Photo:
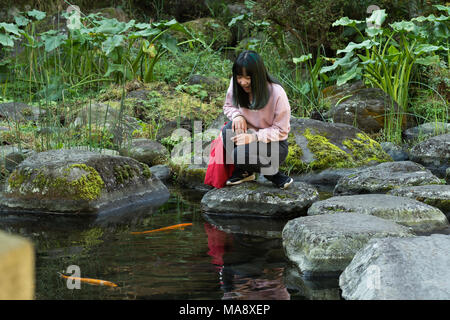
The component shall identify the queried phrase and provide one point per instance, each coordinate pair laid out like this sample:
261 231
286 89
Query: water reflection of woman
243 270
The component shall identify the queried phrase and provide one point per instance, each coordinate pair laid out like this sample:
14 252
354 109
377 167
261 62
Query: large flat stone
435 195
414 268
327 243
384 177
257 199
405 211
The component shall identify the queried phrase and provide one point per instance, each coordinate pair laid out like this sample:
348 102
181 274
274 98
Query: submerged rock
399 269
328 243
434 154
317 145
75 181
257 199
384 177
435 195
404 211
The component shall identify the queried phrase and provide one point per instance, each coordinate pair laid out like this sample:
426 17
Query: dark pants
256 156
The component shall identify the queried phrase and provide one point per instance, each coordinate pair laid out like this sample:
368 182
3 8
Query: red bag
218 171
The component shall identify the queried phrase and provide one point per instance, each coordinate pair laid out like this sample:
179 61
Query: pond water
214 258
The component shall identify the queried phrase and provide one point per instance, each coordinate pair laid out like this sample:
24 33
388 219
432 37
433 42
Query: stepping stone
414 268
435 195
405 211
384 177
255 199
327 243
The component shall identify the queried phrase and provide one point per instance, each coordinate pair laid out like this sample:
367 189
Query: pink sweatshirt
271 123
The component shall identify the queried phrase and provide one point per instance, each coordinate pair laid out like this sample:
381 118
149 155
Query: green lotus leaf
346 22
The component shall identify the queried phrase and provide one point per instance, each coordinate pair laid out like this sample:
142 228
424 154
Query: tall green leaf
6 40
38 15
111 43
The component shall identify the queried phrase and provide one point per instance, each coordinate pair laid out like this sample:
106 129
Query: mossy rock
316 146
147 151
160 103
189 175
76 181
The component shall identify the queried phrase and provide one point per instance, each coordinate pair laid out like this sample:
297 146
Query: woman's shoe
239 177
280 180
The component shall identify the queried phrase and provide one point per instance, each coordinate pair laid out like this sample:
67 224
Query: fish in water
177 226
90 281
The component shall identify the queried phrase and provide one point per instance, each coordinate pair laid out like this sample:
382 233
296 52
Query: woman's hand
239 125
244 138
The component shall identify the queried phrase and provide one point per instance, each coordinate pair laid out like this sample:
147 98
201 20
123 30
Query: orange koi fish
177 226
90 281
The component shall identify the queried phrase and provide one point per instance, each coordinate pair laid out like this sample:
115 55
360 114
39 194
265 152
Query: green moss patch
184 173
363 150
327 154
37 182
123 173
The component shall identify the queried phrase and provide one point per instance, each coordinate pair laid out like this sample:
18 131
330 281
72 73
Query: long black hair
250 63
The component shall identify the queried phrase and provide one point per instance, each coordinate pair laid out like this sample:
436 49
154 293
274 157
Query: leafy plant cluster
94 49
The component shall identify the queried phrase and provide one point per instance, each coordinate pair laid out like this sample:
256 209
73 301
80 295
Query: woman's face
245 81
